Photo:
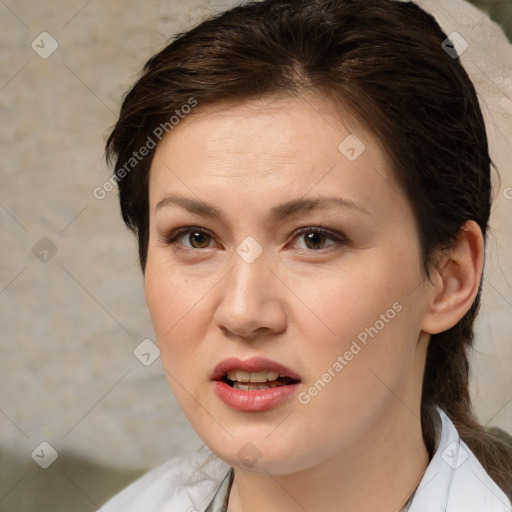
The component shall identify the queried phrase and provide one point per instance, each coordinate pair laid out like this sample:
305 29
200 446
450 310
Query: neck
377 473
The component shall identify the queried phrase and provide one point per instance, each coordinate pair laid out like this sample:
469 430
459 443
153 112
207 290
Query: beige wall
70 324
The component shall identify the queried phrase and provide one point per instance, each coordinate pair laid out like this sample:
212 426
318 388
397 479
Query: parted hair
384 63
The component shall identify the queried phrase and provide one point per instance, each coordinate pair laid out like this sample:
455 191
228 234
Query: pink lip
252 401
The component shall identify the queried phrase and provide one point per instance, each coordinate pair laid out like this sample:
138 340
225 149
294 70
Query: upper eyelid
176 233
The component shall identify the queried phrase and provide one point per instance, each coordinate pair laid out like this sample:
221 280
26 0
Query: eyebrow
277 213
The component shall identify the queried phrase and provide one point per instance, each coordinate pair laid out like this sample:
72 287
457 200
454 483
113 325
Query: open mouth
254 385
256 381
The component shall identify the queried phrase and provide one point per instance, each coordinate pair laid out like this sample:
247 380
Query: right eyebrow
192 205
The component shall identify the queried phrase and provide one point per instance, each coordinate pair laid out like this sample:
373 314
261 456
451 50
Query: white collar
454 481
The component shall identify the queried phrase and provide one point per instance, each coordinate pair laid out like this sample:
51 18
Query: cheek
367 316
173 303
337 305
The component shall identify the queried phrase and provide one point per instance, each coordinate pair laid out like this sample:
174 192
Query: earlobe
456 280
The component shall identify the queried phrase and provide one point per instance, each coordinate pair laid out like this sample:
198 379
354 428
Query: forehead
271 148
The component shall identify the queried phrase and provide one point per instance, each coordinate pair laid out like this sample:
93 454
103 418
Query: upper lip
253 364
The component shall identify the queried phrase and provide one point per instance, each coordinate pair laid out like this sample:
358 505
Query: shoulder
186 482
455 481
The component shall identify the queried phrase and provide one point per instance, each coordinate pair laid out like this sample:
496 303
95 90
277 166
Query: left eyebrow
319 203
277 213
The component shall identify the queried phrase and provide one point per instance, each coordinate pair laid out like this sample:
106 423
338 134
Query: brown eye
313 240
198 239
316 238
190 238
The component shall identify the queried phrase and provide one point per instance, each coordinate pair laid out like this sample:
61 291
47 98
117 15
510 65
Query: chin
260 455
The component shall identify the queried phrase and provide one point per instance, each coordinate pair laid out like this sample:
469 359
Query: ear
456 280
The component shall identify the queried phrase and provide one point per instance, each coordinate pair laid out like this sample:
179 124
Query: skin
357 444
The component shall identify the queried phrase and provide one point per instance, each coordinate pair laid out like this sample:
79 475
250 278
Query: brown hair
383 61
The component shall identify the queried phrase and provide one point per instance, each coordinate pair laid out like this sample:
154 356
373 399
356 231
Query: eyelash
340 239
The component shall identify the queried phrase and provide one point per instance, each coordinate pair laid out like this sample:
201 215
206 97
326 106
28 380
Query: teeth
263 376
242 376
255 387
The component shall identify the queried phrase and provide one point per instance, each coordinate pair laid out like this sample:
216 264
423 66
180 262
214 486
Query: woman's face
296 268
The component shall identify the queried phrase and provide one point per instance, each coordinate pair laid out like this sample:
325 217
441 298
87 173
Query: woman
309 182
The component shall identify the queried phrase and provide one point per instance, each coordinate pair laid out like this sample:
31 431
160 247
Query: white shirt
454 481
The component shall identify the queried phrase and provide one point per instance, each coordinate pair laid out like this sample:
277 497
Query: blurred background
81 415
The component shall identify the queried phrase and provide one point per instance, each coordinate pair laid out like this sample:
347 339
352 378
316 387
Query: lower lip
249 401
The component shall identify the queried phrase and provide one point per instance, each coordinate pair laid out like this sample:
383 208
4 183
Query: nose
251 300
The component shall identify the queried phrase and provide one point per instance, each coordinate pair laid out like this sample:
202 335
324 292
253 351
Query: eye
315 238
197 238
